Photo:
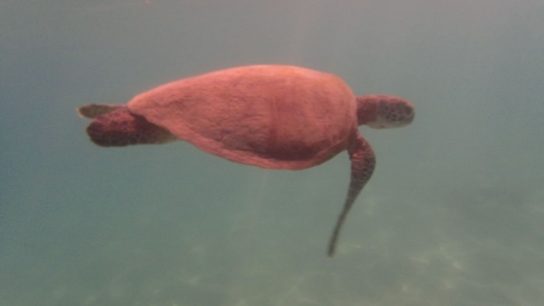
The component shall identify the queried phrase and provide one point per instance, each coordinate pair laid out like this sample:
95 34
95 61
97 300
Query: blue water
454 214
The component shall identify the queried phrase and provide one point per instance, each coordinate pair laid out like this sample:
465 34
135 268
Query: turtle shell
271 116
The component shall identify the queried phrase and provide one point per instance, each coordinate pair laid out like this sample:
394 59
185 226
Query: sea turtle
270 116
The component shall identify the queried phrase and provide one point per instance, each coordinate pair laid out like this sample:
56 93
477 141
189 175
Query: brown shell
271 116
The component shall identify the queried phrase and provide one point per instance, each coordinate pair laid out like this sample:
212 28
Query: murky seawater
453 215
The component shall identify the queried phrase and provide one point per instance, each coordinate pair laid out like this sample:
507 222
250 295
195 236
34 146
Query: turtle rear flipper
92 111
119 127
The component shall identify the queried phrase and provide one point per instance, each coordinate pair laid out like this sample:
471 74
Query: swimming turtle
270 116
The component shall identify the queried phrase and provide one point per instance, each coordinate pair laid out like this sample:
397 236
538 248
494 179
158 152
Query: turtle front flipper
362 165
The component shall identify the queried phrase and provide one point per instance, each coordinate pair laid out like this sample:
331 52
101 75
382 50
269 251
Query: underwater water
454 214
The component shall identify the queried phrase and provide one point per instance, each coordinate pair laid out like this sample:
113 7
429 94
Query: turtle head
384 111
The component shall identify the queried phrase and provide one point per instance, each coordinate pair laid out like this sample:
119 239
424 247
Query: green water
454 214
